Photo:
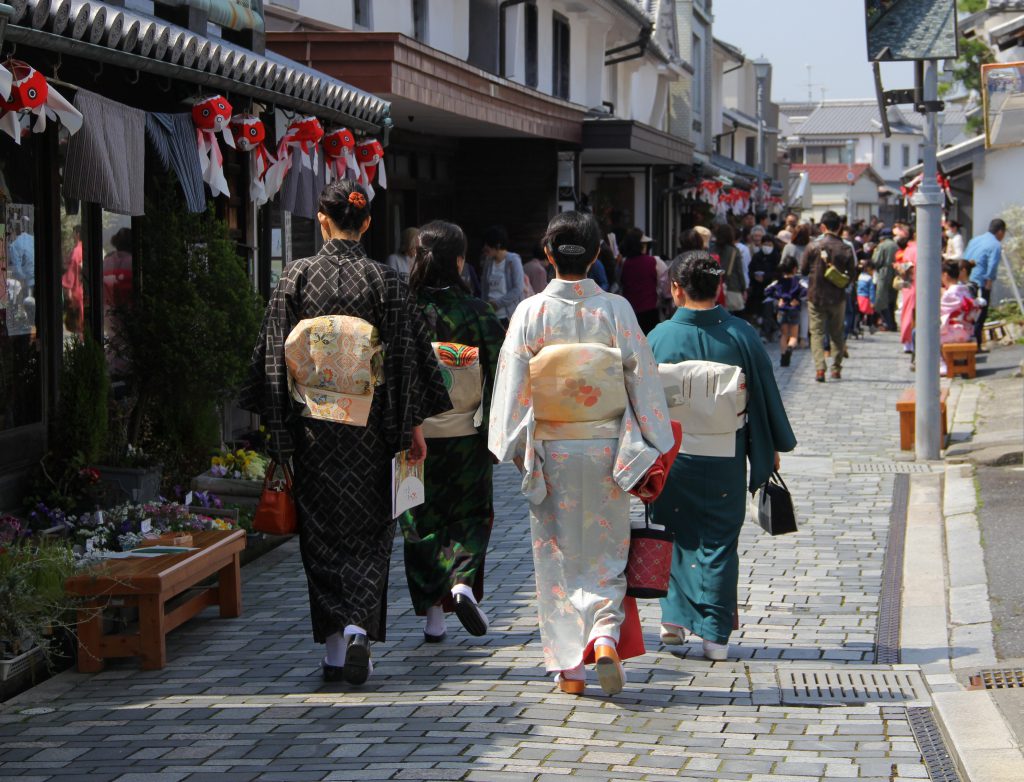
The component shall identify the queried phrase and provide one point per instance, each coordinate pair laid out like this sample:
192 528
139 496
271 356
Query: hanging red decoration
370 155
212 116
29 95
250 135
340 151
298 145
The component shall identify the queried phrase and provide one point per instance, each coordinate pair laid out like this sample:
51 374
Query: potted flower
236 476
32 600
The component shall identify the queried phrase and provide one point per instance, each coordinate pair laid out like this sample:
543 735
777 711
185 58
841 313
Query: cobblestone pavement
915 29
242 699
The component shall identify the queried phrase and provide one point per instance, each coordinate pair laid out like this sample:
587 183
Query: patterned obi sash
463 377
710 401
579 392
334 364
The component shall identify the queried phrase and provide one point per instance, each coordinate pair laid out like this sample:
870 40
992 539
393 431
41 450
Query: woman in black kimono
342 471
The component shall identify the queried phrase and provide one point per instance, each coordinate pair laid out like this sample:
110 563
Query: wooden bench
959 358
151 583
993 330
906 407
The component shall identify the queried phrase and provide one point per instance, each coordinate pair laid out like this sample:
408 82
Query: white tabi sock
354 630
578 674
336 646
435 621
606 640
463 589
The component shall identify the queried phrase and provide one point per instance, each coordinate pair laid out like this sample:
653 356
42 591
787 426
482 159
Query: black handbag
775 511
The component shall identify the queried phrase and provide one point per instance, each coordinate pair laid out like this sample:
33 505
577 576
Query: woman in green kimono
446 538
704 501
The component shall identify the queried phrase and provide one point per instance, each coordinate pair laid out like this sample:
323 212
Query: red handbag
650 549
276 514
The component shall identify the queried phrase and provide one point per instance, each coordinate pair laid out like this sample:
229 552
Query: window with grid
906 155
560 57
886 155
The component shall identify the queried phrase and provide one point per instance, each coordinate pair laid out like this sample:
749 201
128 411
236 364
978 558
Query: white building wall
448 27
393 16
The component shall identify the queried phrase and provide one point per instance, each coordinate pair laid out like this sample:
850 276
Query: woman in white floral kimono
579 408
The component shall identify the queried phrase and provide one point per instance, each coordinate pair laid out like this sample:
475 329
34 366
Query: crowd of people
541 364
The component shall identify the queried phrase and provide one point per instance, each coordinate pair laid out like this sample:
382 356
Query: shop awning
139 42
611 141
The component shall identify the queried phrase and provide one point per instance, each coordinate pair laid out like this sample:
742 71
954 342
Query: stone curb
948 621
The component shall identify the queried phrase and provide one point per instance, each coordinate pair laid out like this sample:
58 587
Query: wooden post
152 632
230 588
90 635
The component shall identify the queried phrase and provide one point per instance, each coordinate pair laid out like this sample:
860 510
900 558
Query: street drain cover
998 679
878 468
810 687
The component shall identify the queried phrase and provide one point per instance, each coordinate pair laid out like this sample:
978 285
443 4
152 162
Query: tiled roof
134 40
834 174
846 117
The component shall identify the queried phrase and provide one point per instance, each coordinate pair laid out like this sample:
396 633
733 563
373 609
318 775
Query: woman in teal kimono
704 501
446 537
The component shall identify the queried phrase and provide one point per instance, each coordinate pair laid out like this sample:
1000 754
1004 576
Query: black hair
698 274
437 258
336 202
952 268
831 221
631 245
497 237
954 224
724 236
691 240
122 240
789 265
573 240
996 226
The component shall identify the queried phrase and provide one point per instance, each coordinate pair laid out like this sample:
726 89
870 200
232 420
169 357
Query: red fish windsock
370 155
299 145
212 116
29 96
250 135
340 151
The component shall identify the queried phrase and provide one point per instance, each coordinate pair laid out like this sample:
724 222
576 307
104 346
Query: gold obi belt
463 377
710 401
579 392
334 364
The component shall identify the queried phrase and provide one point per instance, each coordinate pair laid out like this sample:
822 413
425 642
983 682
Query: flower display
241 464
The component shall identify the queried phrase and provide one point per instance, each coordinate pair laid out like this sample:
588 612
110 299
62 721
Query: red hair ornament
250 135
212 116
340 151
370 155
29 95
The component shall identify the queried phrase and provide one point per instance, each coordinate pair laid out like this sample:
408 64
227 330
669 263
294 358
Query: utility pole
928 200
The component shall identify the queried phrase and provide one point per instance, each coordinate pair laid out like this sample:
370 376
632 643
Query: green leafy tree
967 71
189 335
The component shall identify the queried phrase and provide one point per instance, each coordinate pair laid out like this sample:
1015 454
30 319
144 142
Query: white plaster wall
391 16
448 27
998 188
333 12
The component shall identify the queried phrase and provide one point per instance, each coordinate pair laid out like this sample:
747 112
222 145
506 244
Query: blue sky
826 34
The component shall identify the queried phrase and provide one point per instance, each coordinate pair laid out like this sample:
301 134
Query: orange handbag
276 514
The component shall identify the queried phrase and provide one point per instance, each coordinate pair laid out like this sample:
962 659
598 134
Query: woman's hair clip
571 249
717 272
357 199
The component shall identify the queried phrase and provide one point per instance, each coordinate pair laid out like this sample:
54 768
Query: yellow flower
216 461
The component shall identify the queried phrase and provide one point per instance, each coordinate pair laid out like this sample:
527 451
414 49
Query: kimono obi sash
710 401
334 364
463 377
579 392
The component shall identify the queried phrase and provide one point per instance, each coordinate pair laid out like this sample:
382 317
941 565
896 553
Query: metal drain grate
887 632
811 687
885 468
997 679
940 765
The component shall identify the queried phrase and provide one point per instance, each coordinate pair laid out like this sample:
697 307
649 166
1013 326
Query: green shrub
32 598
80 425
